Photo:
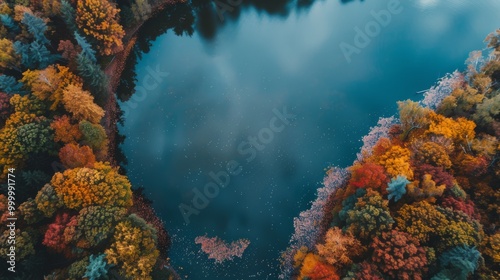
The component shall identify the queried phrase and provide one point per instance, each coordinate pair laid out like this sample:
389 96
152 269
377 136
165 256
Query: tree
459 204
471 166
48 201
8 56
459 229
80 104
99 20
412 116
397 162
397 187
428 188
461 102
51 8
36 27
8 84
133 250
8 22
69 52
64 131
439 175
35 137
143 208
377 132
369 216
458 263
313 268
97 267
68 14
30 212
363 271
20 11
461 130
488 111
141 10
96 223
73 156
87 50
54 236
492 247
419 219
5 108
25 245
34 55
434 154
101 185
50 83
367 175
399 255
307 224
95 137
77 269
339 249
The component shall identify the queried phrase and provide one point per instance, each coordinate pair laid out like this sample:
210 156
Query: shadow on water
205 17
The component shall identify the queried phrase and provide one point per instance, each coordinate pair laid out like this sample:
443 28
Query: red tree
438 174
73 156
399 255
368 175
466 206
54 236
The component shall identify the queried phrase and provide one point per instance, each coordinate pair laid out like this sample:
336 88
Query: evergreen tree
87 50
8 22
37 27
68 15
8 84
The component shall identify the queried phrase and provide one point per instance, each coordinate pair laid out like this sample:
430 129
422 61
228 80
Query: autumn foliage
73 156
99 20
133 250
101 185
421 201
399 255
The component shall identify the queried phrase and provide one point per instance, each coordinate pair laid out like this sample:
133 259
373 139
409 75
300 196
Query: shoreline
114 70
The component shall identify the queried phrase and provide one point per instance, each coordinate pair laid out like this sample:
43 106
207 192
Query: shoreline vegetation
76 213
421 201
77 216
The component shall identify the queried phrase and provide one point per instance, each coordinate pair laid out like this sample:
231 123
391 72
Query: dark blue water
223 84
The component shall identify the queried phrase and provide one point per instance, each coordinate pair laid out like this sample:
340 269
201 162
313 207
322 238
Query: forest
421 199
419 202
77 215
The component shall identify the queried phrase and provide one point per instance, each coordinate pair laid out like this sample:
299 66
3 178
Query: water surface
225 81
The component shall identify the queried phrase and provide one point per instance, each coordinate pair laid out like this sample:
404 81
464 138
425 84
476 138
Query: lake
277 93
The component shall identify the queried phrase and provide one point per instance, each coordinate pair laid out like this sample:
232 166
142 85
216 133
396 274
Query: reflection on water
225 78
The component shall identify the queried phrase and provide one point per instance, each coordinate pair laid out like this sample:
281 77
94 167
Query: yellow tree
133 250
99 20
461 130
8 57
396 161
81 104
101 185
49 83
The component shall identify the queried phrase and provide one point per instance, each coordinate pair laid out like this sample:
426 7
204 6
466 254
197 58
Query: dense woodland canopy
78 217
420 202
